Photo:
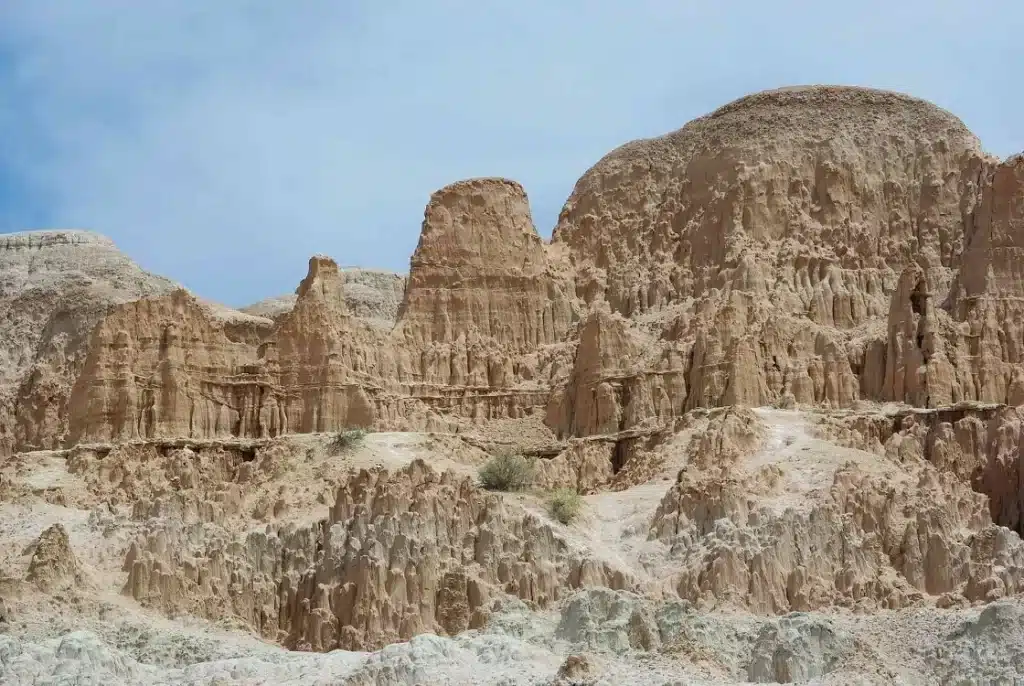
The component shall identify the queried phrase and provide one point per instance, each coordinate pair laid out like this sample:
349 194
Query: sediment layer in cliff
807 246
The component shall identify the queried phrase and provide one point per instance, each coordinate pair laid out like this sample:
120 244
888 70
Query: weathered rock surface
372 294
53 562
320 368
481 270
821 173
164 368
400 554
962 647
318 550
849 255
811 246
54 287
763 245
175 341
805 525
797 649
981 445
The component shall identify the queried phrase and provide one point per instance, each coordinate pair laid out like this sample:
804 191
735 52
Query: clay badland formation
780 351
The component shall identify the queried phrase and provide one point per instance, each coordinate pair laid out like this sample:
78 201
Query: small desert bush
565 504
506 471
344 441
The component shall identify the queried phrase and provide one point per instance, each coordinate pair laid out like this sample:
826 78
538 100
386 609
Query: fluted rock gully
779 351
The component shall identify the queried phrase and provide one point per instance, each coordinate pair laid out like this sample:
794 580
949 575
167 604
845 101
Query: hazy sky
222 143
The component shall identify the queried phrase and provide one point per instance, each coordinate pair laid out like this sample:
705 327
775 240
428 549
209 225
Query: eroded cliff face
163 368
982 445
481 271
820 187
778 352
964 344
769 557
781 534
480 327
808 246
156 357
399 554
813 246
55 286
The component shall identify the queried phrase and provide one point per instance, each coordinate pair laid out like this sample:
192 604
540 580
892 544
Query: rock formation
812 246
53 562
373 294
320 368
480 270
779 352
981 445
816 173
936 534
399 554
177 343
769 237
54 288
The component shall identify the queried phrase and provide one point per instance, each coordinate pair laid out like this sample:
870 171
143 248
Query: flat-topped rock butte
779 351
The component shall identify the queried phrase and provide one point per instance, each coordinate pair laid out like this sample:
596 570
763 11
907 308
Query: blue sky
223 143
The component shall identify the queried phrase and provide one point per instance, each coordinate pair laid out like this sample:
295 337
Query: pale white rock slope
649 618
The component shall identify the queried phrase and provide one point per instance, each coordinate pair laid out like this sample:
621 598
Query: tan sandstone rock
767 239
400 554
54 287
801 526
320 368
480 269
53 562
372 294
807 246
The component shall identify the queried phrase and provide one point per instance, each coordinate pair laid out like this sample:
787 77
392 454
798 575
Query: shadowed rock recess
780 351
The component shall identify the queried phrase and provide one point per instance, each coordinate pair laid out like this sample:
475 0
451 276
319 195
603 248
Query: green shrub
565 504
506 471
344 441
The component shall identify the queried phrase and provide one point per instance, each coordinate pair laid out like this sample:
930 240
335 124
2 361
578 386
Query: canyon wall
848 251
807 246
765 244
55 287
479 308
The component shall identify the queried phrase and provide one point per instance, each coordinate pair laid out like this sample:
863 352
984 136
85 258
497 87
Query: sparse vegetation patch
343 441
506 471
565 504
